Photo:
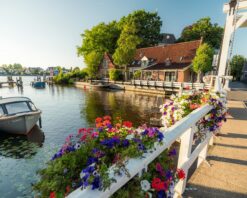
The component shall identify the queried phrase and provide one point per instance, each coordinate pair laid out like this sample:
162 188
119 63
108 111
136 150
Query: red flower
107 117
127 124
67 189
194 106
158 185
187 88
106 122
181 173
52 195
99 119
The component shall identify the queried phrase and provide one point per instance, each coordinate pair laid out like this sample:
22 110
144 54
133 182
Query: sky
44 33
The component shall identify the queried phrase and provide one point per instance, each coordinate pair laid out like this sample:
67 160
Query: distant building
164 62
167 38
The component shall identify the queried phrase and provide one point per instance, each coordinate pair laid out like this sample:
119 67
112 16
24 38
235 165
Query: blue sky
46 32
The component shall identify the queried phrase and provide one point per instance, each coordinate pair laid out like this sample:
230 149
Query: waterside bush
71 77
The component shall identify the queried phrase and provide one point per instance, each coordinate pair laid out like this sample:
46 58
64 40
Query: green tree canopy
236 66
127 44
106 37
148 25
202 62
203 28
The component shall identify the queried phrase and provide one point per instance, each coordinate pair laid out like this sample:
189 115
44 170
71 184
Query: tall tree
236 66
127 44
202 62
211 33
92 61
148 25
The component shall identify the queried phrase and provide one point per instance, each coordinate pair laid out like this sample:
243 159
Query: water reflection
21 146
131 106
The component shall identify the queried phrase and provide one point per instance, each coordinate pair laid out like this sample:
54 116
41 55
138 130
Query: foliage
180 107
69 78
203 28
236 66
127 44
104 37
137 74
115 74
85 158
202 62
16 68
93 151
159 180
93 60
148 25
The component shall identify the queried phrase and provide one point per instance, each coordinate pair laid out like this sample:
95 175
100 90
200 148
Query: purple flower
173 152
96 183
125 143
141 147
109 126
92 160
89 169
168 174
161 194
160 136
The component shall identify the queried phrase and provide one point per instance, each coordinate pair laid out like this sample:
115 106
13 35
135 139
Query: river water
64 111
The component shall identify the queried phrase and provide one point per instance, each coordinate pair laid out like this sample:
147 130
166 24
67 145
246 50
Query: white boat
18 115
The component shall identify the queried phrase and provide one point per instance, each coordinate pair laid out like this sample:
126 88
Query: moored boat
18 115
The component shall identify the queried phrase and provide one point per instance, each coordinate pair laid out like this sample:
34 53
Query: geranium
107 117
127 124
52 195
158 185
181 174
98 120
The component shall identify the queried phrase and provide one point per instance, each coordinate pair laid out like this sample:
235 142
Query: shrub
137 74
115 74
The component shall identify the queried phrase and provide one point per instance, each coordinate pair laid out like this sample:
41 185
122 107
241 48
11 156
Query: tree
203 28
127 44
148 25
202 62
92 61
115 74
236 66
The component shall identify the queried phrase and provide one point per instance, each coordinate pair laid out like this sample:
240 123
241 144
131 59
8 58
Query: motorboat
18 115
38 83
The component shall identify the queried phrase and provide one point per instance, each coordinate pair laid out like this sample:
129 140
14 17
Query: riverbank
144 86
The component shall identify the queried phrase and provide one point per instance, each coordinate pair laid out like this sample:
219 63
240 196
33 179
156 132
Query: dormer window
181 58
168 62
144 61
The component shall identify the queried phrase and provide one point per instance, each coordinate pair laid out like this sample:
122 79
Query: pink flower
95 134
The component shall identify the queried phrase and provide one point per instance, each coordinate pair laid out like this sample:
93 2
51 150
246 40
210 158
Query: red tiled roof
178 52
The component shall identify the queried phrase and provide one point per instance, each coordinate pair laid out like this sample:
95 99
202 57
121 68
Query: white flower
130 136
145 185
77 146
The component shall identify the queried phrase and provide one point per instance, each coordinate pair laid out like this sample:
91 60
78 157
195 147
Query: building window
144 63
170 76
105 64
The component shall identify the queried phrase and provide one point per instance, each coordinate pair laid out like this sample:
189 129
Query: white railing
183 130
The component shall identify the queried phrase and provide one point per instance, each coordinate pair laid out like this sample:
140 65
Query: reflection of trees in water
129 105
21 146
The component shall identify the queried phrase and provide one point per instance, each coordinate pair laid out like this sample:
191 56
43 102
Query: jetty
10 82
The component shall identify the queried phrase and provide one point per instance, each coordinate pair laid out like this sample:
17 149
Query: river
64 110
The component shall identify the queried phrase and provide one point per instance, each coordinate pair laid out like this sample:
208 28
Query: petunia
145 185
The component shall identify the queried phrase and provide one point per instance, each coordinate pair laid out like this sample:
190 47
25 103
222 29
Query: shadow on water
21 146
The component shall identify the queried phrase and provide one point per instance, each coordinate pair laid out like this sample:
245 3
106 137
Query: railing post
202 155
184 155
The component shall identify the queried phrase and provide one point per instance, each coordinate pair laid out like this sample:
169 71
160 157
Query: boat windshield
32 106
1 111
17 107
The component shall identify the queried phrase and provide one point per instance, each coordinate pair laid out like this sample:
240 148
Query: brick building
170 62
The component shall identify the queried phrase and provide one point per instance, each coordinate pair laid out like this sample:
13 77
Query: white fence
183 130
161 84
